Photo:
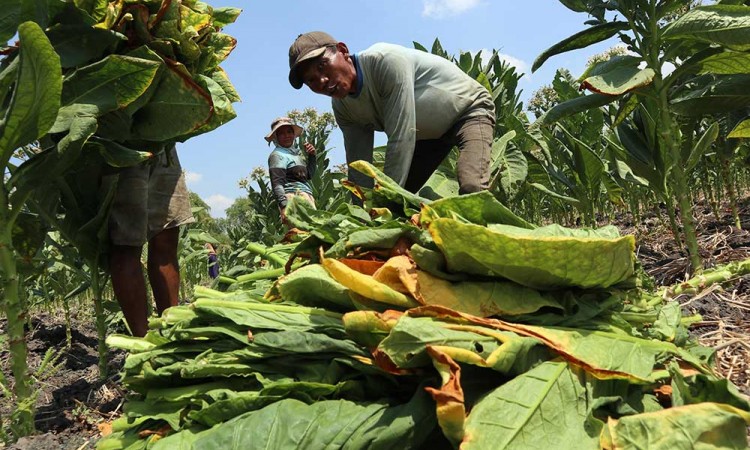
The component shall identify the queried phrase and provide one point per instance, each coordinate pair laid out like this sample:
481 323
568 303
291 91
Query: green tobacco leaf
406 345
723 94
702 388
97 9
117 155
439 185
79 44
215 49
727 25
543 408
481 208
726 63
36 98
546 258
569 200
7 77
224 16
589 167
481 298
112 83
312 286
221 77
573 106
55 161
742 130
223 110
325 424
178 107
576 5
28 234
626 108
433 262
9 19
702 146
509 165
581 39
701 426
389 188
269 316
15 12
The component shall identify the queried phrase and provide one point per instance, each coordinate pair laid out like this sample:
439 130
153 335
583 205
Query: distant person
289 167
213 261
150 204
424 104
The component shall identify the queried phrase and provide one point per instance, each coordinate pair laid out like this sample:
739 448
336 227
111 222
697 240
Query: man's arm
358 143
394 80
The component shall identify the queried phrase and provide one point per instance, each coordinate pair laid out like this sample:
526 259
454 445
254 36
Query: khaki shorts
150 198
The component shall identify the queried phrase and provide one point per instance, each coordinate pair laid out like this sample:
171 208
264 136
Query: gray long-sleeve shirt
410 95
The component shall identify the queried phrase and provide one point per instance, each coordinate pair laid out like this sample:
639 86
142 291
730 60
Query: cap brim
294 78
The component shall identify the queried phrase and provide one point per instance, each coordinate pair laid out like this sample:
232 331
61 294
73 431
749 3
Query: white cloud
440 9
218 204
193 177
520 65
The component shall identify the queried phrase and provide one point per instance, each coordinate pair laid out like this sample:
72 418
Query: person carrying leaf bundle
424 103
150 204
289 167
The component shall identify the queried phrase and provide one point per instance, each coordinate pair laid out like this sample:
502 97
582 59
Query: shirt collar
293 150
360 77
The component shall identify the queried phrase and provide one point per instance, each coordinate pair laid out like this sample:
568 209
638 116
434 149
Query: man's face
285 136
331 73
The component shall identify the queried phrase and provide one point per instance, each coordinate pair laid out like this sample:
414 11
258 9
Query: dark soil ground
74 403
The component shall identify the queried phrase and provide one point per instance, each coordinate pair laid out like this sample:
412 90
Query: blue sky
258 67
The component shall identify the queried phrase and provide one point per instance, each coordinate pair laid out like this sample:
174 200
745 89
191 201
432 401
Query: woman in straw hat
289 167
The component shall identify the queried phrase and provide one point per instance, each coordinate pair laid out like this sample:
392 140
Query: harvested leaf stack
463 327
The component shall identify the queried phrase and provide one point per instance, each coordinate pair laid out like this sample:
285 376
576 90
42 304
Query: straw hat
280 122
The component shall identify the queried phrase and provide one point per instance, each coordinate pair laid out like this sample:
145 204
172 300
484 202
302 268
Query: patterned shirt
290 170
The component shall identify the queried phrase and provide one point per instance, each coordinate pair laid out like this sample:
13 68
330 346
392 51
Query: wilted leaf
312 286
545 258
366 286
705 425
449 398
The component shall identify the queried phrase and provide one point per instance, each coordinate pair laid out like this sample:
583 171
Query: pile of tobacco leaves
457 324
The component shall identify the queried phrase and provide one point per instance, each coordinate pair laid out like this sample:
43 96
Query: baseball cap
307 46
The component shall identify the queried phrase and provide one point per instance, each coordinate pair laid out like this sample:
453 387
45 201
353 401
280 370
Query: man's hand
282 212
309 149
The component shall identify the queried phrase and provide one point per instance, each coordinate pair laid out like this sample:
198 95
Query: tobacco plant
706 44
98 86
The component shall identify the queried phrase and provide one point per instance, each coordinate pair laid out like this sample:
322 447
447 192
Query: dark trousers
473 137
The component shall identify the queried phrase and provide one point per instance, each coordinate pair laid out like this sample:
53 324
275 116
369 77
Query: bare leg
129 286
163 269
